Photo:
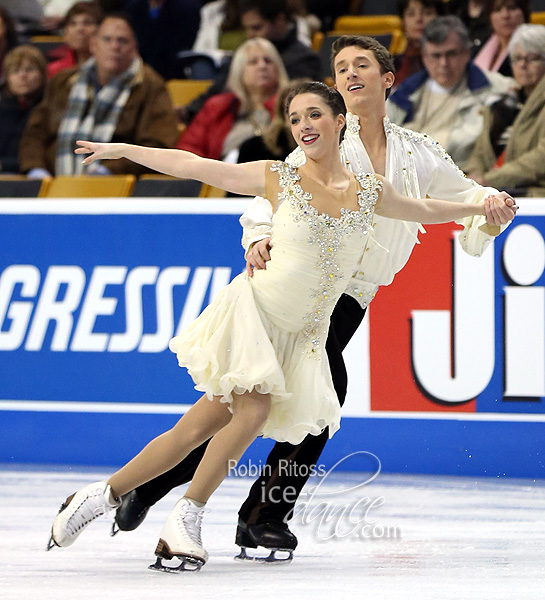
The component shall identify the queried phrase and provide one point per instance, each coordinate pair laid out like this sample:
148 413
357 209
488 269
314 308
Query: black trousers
273 495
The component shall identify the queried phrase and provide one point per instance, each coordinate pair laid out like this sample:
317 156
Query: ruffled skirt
232 347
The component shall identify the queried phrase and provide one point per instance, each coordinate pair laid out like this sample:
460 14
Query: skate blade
52 543
114 530
271 559
186 564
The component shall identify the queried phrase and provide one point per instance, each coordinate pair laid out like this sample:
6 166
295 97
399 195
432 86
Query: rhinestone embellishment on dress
327 233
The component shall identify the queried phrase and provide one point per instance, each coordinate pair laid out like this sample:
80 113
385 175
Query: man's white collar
353 124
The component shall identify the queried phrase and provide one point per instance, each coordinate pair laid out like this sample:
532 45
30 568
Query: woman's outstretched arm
429 210
247 179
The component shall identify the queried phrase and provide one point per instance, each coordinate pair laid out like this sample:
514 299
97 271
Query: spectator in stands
227 120
445 99
8 35
276 141
505 16
415 15
113 96
80 25
221 33
473 14
164 28
510 152
54 12
22 89
39 16
277 24
275 21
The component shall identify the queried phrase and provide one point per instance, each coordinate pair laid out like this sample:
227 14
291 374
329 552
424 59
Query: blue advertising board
91 291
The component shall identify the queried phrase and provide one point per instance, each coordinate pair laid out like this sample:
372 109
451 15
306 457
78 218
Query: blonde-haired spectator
227 120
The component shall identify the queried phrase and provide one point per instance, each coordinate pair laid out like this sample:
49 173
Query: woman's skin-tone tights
232 434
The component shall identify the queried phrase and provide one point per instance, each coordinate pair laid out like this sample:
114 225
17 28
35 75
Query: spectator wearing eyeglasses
510 152
446 98
415 15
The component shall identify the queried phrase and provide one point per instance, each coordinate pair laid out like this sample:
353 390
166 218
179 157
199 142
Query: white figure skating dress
268 332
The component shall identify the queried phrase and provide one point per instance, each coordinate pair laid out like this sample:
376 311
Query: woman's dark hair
122 16
231 20
439 6
84 8
330 96
11 32
494 5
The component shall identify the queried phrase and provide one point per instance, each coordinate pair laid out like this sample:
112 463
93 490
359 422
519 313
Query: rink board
92 290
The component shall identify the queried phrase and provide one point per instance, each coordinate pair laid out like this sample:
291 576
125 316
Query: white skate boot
79 510
181 538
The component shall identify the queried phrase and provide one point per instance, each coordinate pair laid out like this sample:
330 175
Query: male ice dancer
417 166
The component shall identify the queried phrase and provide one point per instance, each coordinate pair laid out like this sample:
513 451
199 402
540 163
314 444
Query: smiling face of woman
313 124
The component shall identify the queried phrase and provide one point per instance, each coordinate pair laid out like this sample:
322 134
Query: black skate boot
271 535
130 514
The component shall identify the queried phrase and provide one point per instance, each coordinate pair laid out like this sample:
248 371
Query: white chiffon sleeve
256 222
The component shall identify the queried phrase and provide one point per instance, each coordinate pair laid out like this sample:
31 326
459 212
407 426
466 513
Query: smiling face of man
359 78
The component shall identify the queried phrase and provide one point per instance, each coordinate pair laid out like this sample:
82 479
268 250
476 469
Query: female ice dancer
257 351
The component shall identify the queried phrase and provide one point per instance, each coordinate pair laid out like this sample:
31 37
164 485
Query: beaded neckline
289 180
327 233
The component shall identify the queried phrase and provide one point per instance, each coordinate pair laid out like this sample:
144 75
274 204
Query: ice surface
449 538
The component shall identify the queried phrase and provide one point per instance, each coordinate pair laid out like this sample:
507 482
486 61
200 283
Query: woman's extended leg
200 422
181 534
204 419
250 411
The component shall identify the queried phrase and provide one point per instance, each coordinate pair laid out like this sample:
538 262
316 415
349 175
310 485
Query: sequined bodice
313 256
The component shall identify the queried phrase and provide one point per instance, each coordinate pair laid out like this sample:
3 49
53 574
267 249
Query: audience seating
90 186
183 91
18 186
367 25
164 186
209 191
537 18
46 43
